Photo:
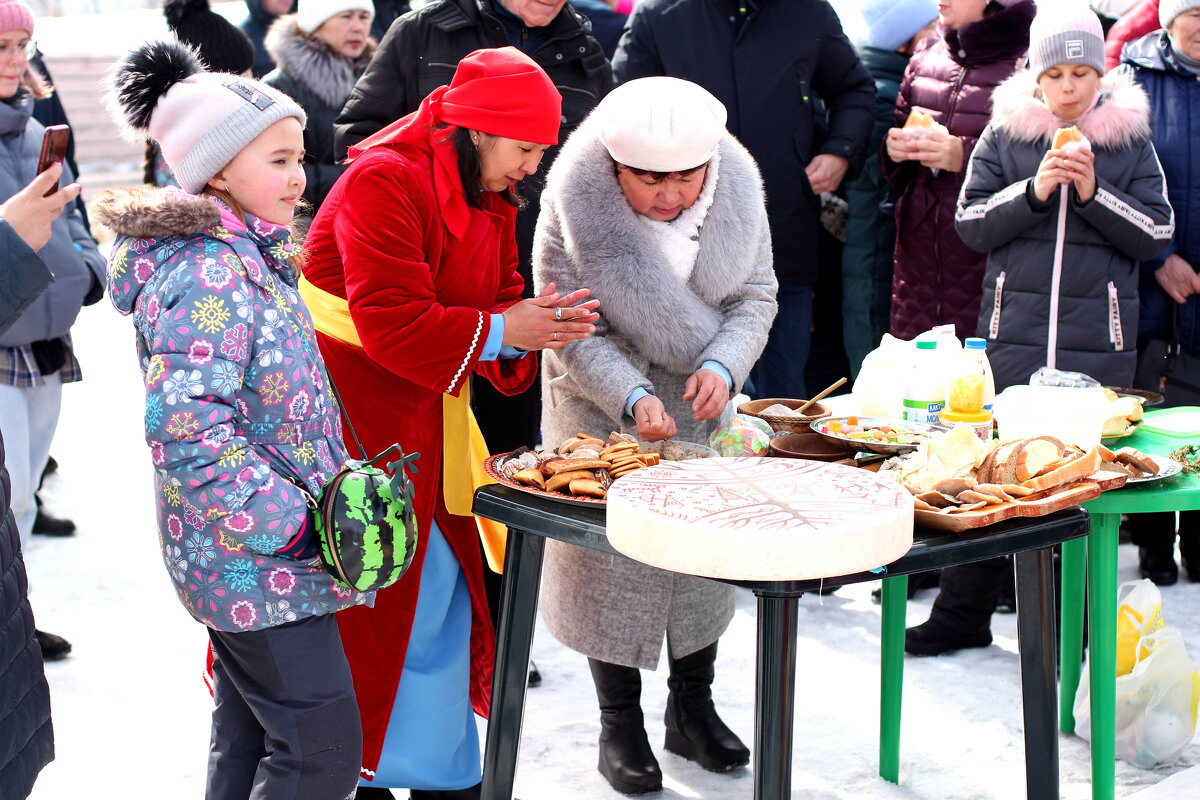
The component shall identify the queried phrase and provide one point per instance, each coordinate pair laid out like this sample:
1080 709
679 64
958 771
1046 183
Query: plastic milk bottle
925 392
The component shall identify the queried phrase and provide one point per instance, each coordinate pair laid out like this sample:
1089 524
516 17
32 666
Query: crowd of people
455 223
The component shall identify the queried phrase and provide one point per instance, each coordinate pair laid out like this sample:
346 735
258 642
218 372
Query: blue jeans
780 370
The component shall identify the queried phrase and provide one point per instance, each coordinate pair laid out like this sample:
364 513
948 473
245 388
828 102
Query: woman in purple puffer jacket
937 279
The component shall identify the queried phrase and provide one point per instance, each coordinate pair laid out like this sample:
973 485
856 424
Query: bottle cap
926 344
971 418
976 343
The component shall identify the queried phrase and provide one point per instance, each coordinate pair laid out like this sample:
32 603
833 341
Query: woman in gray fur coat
660 211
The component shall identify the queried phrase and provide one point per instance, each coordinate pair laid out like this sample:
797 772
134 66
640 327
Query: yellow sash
463 447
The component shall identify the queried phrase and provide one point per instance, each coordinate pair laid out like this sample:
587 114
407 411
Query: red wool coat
422 272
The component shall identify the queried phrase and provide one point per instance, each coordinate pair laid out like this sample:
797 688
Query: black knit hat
222 46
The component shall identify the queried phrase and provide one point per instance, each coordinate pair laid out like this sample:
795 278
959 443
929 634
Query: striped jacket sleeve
1138 221
991 212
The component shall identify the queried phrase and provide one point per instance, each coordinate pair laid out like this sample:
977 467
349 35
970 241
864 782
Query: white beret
661 124
312 14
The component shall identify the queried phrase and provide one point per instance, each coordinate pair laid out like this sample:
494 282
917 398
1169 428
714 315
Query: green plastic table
1096 558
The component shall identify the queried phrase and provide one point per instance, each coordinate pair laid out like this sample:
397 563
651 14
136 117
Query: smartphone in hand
54 149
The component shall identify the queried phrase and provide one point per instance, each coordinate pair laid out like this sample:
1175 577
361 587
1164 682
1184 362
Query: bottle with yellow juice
968 398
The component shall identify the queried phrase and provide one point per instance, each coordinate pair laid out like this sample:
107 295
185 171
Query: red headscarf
499 91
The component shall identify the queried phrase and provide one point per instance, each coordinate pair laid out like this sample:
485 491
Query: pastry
919 119
1064 135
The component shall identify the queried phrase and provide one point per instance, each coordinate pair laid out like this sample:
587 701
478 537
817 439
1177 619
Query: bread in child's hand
1070 139
1064 135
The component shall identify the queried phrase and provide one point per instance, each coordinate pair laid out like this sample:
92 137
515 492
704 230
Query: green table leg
891 675
1102 649
1074 565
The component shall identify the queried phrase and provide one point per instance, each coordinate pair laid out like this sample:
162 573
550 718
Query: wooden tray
1034 505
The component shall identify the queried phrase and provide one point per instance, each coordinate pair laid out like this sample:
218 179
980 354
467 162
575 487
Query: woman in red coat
411 274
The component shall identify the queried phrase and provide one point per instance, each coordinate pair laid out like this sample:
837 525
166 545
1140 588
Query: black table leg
514 640
1035 636
775 696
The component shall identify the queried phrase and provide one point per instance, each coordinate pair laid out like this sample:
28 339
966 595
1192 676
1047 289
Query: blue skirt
431 740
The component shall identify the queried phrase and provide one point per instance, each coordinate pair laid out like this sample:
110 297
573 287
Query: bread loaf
1074 470
1138 460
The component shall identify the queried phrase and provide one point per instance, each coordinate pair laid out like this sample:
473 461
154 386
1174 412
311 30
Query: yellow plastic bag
1139 613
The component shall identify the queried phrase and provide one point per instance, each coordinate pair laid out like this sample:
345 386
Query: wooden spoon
822 395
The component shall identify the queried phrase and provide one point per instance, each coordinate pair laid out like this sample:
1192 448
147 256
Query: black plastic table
531 520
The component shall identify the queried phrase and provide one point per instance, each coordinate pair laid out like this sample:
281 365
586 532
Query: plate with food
883 435
1166 467
1125 414
1149 399
581 468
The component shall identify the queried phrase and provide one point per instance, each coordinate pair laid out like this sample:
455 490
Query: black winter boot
470 793
626 760
694 730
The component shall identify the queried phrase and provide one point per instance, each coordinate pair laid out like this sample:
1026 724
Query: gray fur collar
311 63
150 213
619 259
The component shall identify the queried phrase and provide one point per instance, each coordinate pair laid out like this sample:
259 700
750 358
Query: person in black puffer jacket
319 53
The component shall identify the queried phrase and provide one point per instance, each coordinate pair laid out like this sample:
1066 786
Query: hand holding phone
54 149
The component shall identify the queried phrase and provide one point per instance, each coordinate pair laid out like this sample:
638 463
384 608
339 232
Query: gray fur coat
654 331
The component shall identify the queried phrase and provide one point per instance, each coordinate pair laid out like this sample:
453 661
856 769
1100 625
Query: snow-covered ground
131 712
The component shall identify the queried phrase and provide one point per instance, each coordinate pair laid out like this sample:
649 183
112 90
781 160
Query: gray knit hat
1065 32
1168 10
201 120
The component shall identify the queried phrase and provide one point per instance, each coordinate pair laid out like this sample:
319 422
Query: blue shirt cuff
492 349
719 368
634 396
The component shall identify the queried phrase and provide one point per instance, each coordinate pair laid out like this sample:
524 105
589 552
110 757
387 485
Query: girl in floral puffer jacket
238 417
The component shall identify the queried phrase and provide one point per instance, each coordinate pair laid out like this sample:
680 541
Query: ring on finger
558 313
556 336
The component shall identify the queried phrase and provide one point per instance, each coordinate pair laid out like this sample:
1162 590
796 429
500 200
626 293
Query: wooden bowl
754 408
810 445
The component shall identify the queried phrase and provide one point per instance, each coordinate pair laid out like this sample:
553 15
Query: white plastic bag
1157 700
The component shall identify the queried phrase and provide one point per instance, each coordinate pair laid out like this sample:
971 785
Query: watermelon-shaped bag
365 522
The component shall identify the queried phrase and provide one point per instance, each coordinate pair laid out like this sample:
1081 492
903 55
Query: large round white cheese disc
762 519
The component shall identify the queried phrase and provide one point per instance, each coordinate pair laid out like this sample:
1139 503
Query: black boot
626 760
470 793
694 730
373 793
47 525
54 647
1154 535
1157 563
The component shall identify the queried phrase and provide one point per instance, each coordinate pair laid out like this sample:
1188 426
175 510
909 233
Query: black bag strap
400 484
345 415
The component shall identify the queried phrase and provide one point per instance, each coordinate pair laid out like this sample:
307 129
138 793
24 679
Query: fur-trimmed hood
150 213
155 225
621 260
311 63
1120 117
